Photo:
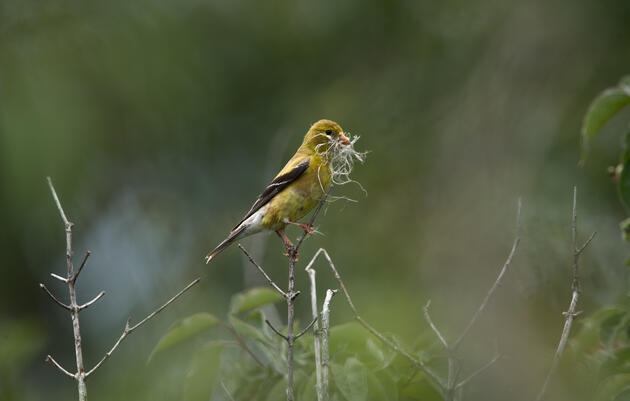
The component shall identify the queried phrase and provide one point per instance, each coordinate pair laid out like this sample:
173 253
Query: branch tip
276 330
50 359
301 333
54 298
96 298
262 271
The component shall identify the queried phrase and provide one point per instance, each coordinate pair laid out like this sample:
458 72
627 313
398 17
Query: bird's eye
328 132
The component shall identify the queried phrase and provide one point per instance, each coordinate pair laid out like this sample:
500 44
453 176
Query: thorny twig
575 294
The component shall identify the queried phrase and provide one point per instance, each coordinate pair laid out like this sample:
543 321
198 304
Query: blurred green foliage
20 341
361 368
160 122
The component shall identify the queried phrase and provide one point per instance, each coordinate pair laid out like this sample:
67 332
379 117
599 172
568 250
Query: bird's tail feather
234 235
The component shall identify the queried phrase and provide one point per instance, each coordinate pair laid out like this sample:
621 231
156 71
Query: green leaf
613 386
624 395
623 176
309 393
249 330
351 379
271 346
202 375
379 389
618 363
381 354
254 298
624 84
279 391
347 340
421 389
602 109
624 226
388 385
608 328
184 329
587 339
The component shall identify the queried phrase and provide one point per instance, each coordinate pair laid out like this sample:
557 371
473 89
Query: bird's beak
344 139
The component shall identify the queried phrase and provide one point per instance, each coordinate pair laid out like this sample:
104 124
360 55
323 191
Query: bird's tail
234 235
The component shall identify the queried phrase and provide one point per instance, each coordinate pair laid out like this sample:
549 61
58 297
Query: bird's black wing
277 185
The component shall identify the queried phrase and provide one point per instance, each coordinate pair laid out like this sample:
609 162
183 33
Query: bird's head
322 135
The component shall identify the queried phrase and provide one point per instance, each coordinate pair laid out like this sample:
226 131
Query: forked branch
74 308
571 314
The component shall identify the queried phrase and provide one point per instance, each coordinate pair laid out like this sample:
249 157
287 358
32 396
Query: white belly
253 224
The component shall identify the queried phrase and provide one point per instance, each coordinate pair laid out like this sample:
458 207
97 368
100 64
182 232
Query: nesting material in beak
342 154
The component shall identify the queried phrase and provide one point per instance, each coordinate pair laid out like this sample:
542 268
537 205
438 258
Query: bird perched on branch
297 188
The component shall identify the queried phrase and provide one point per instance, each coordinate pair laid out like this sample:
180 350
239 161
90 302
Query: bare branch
588 241
433 327
59 277
85 258
301 333
316 341
158 310
227 392
74 309
325 348
66 222
96 298
50 359
50 294
262 271
276 330
571 314
291 294
417 362
129 329
478 371
241 342
312 220
497 282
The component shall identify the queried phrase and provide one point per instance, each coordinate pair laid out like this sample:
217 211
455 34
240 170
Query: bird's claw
306 227
295 257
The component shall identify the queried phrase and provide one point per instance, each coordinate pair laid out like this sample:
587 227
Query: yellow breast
300 197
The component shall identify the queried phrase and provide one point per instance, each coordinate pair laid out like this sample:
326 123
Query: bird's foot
288 255
306 227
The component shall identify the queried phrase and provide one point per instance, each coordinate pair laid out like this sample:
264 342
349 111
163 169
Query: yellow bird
296 190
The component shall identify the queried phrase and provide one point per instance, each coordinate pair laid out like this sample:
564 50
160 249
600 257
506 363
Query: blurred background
161 121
